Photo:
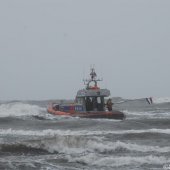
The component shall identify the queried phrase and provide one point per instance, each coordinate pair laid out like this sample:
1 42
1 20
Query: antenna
93 78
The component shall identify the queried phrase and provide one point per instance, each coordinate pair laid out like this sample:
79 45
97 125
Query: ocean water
32 139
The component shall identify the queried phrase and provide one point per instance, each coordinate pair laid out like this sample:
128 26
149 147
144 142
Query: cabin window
94 103
99 100
100 103
80 100
89 103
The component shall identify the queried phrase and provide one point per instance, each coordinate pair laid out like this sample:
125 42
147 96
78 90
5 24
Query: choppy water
30 138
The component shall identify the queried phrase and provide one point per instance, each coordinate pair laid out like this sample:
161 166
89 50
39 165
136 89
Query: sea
32 139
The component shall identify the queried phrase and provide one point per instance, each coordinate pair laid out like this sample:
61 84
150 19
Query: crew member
109 104
88 104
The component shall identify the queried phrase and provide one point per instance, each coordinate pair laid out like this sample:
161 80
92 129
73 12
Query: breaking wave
51 132
86 147
157 114
159 100
19 109
93 159
77 145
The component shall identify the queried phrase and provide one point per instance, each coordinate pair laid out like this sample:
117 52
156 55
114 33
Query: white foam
79 145
84 141
158 100
147 115
93 159
19 109
87 149
27 160
51 132
62 144
118 145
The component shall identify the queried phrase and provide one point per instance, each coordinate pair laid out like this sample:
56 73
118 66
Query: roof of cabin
93 93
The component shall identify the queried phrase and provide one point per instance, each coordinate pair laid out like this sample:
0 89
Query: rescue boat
89 103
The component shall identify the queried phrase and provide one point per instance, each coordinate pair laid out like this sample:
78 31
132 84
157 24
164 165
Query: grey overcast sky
47 47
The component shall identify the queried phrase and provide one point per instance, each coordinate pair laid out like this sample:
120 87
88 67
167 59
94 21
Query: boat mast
93 78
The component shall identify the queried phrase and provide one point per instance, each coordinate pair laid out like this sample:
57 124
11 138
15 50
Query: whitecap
19 109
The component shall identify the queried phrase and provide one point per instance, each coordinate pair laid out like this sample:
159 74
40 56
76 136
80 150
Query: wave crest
19 109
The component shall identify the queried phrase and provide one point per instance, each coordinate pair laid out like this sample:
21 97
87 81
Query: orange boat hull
91 114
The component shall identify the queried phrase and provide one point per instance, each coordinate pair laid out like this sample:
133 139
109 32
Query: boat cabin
92 97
